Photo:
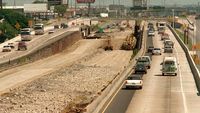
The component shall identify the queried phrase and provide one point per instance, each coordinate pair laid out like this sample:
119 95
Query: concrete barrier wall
193 67
51 47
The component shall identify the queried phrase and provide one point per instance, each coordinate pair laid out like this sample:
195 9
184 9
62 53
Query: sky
123 2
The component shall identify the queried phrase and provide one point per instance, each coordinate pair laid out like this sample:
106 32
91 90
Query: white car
134 81
156 51
151 33
51 31
6 48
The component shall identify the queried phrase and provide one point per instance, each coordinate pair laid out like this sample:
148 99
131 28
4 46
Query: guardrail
193 67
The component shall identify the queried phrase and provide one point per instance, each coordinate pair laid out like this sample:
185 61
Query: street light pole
173 17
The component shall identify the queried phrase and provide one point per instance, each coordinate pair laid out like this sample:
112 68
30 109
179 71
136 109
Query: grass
181 35
135 51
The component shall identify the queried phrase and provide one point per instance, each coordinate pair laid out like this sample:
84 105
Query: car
169 43
151 33
144 60
150 25
11 45
6 48
63 25
168 49
22 45
56 26
161 30
165 36
156 51
51 31
169 66
150 49
134 81
140 67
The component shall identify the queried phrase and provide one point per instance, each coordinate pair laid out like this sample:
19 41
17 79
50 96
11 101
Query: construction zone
70 80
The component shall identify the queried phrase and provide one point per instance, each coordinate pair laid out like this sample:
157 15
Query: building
116 11
139 3
55 2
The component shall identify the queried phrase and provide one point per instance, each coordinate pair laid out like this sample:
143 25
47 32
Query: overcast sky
123 2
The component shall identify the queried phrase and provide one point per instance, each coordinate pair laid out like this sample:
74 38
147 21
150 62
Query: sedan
134 81
51 31
6 48
150 49
156 51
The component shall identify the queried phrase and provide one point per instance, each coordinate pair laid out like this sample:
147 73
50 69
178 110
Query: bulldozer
108 46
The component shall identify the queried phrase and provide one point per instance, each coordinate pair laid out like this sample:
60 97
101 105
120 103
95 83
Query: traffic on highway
85 56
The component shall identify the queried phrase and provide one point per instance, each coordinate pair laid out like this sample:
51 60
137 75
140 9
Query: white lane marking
181 83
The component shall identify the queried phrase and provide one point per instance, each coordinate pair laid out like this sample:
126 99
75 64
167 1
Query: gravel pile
53 92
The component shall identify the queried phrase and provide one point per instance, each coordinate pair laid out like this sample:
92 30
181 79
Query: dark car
140 68
150 49
56 26
63 25
22 45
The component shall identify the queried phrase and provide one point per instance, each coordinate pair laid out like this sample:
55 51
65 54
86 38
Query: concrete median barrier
54 45
193 67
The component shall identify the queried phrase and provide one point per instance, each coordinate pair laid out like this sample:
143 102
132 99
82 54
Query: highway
37 40
160 94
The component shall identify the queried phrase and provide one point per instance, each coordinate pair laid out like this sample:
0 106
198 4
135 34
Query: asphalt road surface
160 94
123 98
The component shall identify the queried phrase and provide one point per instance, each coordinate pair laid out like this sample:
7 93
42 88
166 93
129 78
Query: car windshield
134 78
140 63
25 33
143 59
6 46
169 63
156 48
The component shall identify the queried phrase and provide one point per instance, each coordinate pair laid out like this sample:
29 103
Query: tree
1 4
38 1
60 9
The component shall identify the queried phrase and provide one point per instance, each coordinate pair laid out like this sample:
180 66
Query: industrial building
139 3
55 2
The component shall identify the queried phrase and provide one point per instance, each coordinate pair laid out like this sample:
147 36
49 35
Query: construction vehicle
108 46
129 43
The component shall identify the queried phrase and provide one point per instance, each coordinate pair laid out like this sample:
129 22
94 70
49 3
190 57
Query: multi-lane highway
37 40
160 94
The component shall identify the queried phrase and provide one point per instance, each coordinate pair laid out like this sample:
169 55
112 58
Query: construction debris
109 45
129 43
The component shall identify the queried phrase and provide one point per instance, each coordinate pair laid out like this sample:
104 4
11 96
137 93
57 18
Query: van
169 66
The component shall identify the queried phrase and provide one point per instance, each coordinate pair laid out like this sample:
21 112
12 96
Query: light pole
173 17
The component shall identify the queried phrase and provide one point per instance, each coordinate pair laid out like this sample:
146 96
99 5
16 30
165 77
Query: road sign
30 23
17 26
